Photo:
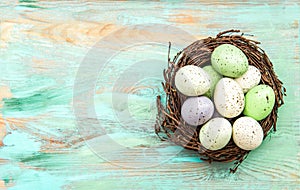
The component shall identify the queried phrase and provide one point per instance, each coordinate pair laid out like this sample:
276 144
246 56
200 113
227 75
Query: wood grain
43 44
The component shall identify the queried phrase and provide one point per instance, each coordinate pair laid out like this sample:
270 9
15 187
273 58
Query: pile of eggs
227 90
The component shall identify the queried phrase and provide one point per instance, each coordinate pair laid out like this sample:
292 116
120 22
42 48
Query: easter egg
249 79
191 80
215 134
214 77
229 60
229 98
197 110
247 133
259 102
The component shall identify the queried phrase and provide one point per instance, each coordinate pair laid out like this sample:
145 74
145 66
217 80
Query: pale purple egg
197 110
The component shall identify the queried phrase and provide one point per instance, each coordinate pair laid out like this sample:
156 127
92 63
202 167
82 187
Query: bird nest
169 123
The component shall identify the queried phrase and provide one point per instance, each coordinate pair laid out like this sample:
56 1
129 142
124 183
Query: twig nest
222 97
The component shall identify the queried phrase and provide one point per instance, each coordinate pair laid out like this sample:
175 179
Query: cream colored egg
191 80
215 134
247 133
229 98
249 79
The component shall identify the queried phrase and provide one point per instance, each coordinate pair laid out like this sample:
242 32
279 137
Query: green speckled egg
214 77
229 61
259 102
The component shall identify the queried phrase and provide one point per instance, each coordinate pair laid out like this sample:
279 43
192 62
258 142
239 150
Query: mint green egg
214 77
229 61
259 102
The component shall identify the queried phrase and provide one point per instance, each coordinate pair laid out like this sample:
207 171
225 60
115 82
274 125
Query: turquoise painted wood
52 52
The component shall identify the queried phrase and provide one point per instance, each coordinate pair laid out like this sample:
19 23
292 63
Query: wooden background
43 45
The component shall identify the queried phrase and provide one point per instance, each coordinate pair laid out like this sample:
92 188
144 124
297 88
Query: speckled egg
247 133
249 79
229 98
215 134
229 61
214 77
197 110
191 80
259 102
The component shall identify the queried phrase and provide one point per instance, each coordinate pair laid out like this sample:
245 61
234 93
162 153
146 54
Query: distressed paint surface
42 46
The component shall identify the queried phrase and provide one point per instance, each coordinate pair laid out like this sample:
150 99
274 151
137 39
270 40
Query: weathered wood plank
43 44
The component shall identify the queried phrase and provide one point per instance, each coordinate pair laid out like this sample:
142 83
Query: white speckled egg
214 77
215 134
247 133
191 80
249 79
197 110
229 60
229 98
